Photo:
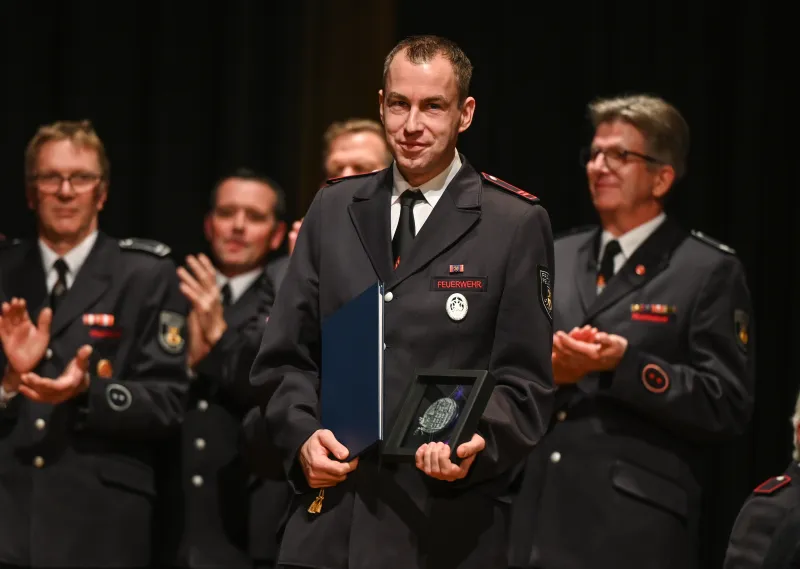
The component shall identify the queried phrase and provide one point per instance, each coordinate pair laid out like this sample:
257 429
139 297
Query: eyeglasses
80 182
614 158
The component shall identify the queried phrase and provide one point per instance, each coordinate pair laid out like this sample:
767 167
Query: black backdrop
183 92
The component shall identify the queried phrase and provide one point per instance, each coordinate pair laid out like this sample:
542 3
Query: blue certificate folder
352 371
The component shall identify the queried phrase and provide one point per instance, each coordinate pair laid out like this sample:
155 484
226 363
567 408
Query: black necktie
60 288
227 295
607 264
405 232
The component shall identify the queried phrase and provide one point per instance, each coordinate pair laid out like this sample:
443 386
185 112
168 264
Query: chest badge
457 307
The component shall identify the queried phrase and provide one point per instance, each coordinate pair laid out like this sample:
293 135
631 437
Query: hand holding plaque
434 459
436 427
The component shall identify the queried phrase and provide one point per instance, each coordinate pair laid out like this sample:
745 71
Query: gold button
48 354
38 462
202 404
199 444
40 424
561 415
388 296
197 480
555 457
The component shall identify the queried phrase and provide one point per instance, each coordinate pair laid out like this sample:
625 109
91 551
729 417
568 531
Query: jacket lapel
370 212
457 210
30 283
586 270
653 255
246 307
91 281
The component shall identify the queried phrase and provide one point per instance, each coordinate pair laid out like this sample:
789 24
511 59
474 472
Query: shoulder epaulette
773 484
528 197
339 179
574 231
6 243
145 245
700 236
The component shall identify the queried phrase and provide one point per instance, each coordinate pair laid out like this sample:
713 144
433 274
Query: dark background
182 93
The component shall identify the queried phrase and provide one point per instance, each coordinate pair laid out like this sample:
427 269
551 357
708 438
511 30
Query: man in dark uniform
767 529
231 298
90 388
427 221
652 358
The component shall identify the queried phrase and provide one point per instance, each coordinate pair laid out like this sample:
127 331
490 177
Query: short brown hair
80 133
422 49
353 126
664 128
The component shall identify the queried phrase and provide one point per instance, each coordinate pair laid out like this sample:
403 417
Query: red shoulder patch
336 180
509 188
773 484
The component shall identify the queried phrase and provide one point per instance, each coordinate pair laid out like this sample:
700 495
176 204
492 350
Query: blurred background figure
652 356
94 339
351 147
212 489
768 526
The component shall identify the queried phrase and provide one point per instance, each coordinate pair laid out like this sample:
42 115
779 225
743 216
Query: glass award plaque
441 405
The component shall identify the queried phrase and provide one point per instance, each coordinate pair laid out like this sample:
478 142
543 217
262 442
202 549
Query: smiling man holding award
463 261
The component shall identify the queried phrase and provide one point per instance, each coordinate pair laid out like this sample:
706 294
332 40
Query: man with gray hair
767 528
652 357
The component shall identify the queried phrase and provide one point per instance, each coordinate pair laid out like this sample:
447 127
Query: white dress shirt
630 241
74 260
239 283
431 190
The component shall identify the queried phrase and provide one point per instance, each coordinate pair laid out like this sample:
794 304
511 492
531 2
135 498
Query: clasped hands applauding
24 345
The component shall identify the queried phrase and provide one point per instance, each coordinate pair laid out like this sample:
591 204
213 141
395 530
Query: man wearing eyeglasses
652 356
93 337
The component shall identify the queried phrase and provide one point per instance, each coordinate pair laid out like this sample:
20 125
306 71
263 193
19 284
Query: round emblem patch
655 379
118 396
457 306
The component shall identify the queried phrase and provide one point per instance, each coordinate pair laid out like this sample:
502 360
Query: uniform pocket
128 475
650 487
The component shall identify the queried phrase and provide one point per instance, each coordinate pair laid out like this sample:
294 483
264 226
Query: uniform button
780 478
40 424
555 457
197 480
48 354
388 296
38 462
202 404
561 415
200 444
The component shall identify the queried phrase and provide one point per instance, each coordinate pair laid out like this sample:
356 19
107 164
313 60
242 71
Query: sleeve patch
773 484
700 236
171 332
146 246
509 188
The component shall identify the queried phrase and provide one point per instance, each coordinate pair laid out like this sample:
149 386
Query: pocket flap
129 475
650 487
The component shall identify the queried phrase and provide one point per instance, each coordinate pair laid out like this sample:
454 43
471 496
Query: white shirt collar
74 258
631 240
239 283
433 189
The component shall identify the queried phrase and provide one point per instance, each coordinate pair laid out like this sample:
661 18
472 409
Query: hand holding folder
320 470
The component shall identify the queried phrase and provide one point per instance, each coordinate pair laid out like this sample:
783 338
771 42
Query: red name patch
650 317
471 284
105 333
